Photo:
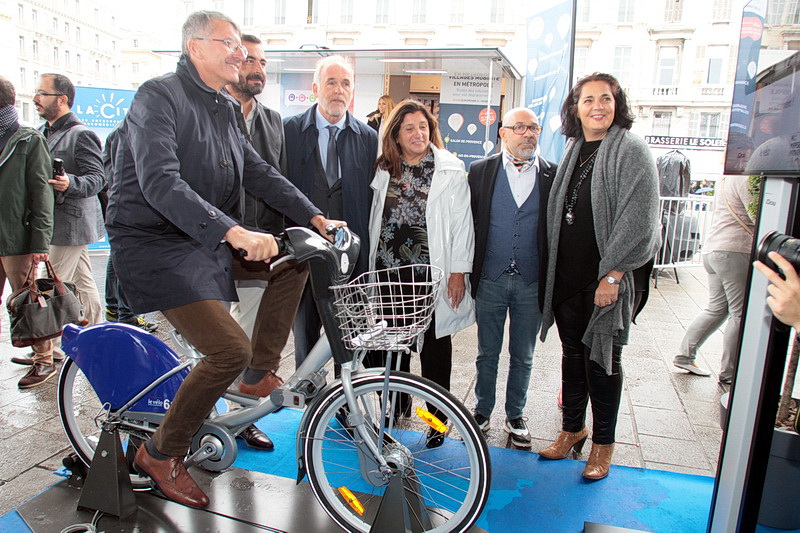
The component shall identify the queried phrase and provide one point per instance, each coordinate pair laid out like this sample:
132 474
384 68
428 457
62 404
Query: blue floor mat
532 494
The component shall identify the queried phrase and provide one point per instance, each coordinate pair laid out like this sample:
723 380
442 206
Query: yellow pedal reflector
431 420
351 500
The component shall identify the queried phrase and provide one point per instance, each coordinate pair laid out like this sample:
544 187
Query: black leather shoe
255 438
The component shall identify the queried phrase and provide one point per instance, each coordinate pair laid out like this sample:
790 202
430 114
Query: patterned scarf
8 117
521 164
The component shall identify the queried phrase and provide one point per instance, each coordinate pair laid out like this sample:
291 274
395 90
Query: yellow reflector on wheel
431 420
351 500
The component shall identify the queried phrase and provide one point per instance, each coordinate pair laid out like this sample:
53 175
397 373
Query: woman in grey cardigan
602 224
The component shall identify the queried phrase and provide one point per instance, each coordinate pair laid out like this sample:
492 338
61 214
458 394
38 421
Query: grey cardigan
627 229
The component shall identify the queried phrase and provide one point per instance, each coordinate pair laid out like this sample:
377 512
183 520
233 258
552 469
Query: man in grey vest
78 216
509 199
268 299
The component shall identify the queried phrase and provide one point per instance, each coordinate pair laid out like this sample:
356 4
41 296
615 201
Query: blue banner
464 130
547 79
747 65
101 109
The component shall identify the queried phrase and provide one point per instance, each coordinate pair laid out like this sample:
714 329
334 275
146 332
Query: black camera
58 166
786 245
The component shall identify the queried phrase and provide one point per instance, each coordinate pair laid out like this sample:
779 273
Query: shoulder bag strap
730 208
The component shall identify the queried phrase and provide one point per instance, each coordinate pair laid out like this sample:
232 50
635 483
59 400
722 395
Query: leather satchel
39 310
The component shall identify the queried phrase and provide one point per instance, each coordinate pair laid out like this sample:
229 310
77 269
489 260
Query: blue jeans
511 296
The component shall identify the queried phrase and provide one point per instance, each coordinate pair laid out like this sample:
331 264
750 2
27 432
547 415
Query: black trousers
436 359
583 379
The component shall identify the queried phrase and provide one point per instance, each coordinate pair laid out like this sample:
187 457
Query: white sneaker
518 431
693 369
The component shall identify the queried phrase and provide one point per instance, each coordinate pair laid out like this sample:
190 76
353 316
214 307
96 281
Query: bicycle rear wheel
82 413
443 488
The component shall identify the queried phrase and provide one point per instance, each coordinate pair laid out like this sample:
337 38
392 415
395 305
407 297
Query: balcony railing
665 91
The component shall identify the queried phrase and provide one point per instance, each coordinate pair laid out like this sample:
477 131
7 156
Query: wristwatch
612 280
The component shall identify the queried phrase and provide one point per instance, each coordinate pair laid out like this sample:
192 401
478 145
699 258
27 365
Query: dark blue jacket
482 178
178 171
358 149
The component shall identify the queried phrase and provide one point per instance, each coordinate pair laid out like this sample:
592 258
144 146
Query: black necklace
571 199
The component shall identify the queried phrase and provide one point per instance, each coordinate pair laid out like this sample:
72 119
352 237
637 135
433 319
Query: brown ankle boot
565 442
599 462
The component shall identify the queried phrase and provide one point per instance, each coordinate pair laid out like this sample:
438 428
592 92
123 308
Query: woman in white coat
421 214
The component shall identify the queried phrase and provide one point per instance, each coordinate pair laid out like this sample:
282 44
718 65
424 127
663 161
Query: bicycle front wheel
443 488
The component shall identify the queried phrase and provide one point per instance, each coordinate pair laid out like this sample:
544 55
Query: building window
583 11
136 43
793 12
579 65
248 13
280 11
97 40
625 13
721 10
661 122
622 64
135 68
66 29
498 11
709 125
26 111
457 11
21 44
78 34
346 11
66 58
34 17
382 12
219 5
22 80
418 12
55 55
775 12
55 26
716 62
97 68
667 66
313 13
78 62
35 48
21 12
674 10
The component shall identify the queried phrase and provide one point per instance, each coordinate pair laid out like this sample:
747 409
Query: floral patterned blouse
404 229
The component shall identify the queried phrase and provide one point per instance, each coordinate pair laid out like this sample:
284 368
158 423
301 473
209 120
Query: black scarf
8 118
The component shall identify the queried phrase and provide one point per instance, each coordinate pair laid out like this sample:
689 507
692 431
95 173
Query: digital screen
769 143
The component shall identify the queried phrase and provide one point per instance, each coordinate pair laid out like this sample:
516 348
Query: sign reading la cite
687 142
101 109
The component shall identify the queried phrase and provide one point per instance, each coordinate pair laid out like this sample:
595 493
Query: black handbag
39 310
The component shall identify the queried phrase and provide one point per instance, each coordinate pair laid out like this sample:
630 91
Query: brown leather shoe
37 375
264 387
171 478
255 438
599 462
565 442
27 359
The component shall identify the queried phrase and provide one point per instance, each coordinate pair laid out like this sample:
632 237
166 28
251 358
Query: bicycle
363 440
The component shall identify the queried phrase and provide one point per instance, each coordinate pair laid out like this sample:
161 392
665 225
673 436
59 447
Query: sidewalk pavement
669 419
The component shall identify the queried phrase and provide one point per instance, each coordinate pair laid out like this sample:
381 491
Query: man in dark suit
509 199
334 173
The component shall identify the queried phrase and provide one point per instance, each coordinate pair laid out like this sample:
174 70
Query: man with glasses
78 217
172 218
509 199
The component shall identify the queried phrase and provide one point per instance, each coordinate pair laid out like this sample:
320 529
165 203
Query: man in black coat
173 218
509 206
340 190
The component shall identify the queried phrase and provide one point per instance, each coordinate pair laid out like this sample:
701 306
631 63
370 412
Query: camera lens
786 245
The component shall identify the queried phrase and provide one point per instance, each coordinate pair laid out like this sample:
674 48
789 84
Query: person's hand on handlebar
784 294
259 246
322 223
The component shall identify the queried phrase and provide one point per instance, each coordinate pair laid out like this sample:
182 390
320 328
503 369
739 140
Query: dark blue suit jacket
358 150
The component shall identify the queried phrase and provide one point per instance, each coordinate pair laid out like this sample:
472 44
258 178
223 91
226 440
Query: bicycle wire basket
387 309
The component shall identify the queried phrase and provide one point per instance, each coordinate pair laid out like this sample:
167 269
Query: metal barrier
685 223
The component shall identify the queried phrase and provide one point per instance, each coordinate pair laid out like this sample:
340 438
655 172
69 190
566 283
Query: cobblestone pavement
669 420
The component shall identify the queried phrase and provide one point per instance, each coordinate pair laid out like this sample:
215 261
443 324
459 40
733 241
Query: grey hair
332 60
198 24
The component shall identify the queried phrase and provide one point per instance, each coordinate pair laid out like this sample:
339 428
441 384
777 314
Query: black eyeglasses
232 46
42 93
521 129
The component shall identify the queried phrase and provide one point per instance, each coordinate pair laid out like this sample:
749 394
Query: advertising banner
101 110
547 79
469 105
